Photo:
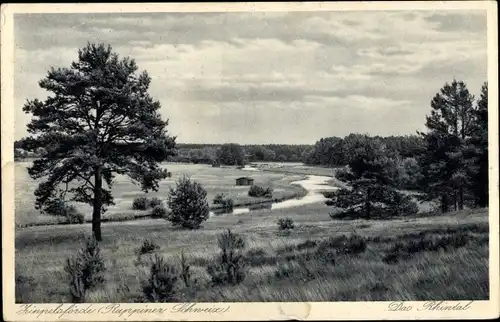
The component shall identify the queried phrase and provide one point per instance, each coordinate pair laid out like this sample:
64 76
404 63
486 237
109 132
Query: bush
298 271
74 216
154 202
148 247
188 204
342 244
229 266
226 202
59 207
285 224
140 203
159 212
86 270
404 250
354 244
218 199
228 205
306 244
258 191
162 282
56 207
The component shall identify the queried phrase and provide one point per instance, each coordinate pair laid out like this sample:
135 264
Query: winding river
315 186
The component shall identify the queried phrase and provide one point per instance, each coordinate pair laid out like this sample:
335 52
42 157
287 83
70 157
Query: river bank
215 180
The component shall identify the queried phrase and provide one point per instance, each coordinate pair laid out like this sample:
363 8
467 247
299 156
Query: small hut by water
244 181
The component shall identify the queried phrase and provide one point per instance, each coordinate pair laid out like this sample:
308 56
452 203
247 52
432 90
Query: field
214 180
276 261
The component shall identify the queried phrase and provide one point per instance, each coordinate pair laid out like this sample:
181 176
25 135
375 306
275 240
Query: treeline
236 154
228 154
447 163
336 151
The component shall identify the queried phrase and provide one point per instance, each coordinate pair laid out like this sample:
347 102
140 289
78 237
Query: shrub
258 191
74 216
228 205
229 266
162 282
306 244
218 199
342 244
285 224
56 207
159 212
256 252
140 203
85 270
328 255
226 202
405 250
299 271
155 201
148 247
354 244
188 204
259 257
59 207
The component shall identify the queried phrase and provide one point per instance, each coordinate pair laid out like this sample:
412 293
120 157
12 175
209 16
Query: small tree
162 283
229 267
85 270
99 122
188 204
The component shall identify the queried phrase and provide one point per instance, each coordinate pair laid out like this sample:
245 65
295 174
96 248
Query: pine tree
188 204
373 180
444 162
479 150
100 121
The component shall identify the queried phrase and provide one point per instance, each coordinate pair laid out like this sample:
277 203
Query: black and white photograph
189 158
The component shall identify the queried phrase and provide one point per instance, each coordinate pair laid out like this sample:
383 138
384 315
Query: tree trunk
461 198
455 199
444 203
483 182
482 199
96 215
367 203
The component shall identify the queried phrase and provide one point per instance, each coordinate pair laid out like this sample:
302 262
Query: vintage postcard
250 161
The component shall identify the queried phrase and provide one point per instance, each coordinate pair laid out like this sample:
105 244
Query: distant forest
329 151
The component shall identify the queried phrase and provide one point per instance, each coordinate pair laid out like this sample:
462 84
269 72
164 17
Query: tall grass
316 263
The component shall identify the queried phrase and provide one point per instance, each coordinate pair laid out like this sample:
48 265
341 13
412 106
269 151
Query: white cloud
292 77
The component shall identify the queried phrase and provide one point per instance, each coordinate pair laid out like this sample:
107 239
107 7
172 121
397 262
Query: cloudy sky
271 77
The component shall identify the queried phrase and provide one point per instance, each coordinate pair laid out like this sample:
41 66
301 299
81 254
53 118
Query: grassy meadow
214 180
393 266
276 261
